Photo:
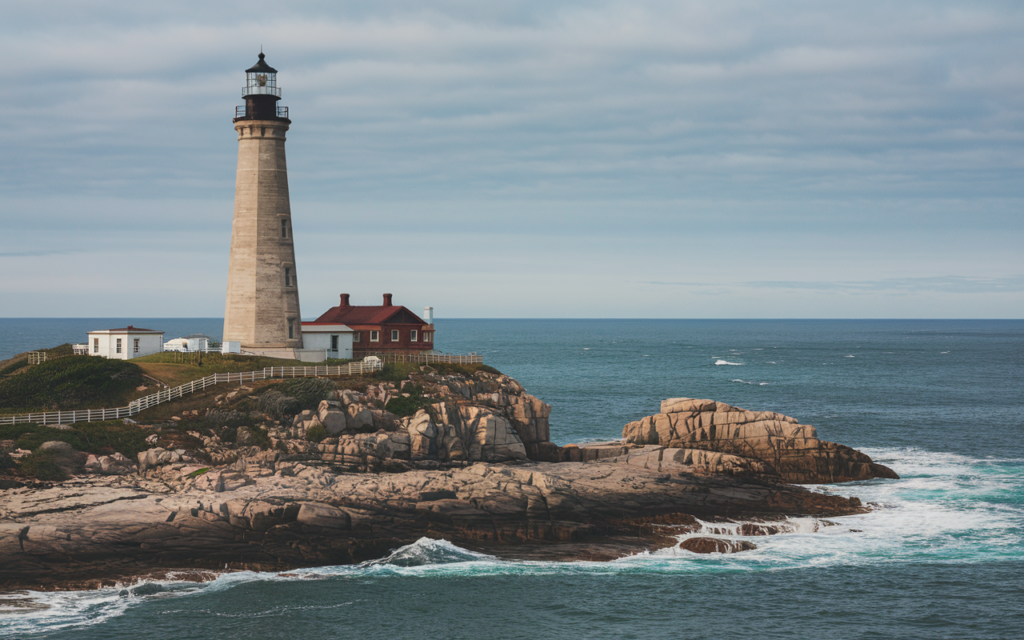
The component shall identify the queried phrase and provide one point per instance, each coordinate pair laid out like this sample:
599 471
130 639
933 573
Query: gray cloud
868 142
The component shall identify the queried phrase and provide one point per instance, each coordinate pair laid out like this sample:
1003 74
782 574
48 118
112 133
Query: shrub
316 433
7 463
402 406
93 437
308 391
41 465
274 403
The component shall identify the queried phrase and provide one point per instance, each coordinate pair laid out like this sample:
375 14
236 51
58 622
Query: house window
357 336
334 343
287 276
119 345
135 347
428 336
284 228
394 335
95 345
413 335
291 329
375 336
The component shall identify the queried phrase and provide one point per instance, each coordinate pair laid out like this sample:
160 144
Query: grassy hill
71 383
177 368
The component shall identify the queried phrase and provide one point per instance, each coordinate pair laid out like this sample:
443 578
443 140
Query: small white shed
196 342
335 339
126 343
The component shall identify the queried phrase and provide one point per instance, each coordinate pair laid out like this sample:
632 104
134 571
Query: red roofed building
386 328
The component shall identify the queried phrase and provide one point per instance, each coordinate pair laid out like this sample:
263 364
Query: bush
7 463
94 437
71 383
308 391
402 406
293 396
316 433
274 403
41 465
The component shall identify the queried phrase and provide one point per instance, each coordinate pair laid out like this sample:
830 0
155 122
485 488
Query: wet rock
716 545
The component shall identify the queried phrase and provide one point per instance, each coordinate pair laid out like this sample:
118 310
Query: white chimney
428 315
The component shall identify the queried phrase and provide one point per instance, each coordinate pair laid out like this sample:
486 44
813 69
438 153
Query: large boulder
793 450
332 416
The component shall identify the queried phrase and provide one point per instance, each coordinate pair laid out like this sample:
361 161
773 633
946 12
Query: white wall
322 340
148 343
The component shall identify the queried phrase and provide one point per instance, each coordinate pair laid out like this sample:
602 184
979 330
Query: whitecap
849 356
734 364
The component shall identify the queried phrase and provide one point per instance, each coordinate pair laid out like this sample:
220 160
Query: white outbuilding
334 339
126 343
192 343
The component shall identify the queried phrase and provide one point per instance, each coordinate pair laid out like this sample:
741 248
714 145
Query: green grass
101 438
70 383
177 368
14 366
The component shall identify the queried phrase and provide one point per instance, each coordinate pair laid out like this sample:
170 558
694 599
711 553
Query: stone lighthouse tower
262 310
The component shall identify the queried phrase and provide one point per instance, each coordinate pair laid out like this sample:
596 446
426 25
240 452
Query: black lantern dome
261 94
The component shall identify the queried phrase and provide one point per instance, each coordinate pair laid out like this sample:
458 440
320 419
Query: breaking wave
947 508
734 364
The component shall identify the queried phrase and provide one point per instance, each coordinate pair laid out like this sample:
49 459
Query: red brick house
386 328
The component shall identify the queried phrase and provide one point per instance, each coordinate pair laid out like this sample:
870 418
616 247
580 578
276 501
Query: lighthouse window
291 329
284 228
287 276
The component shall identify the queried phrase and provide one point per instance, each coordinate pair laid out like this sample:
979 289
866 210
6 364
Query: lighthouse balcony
282 112
257 90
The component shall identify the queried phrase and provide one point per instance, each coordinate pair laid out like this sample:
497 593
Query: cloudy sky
525 159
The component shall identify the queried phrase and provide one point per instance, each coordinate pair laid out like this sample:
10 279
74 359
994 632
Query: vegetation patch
173 368
71 383
316 433
42 465
100 438
197 472
403 406
14 366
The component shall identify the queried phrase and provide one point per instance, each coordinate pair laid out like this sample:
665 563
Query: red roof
356 315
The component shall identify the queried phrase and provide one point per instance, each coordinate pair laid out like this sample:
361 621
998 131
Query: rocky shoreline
350 480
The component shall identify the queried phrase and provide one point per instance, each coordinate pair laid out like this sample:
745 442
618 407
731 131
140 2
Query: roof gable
354 315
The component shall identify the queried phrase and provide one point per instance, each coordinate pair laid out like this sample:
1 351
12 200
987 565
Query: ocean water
940 556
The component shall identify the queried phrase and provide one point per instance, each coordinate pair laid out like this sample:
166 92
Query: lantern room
261 94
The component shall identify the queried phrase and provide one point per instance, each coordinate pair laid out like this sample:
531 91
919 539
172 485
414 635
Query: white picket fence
152 400
428 358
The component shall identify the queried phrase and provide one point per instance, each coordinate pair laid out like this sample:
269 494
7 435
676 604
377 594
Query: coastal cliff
351 479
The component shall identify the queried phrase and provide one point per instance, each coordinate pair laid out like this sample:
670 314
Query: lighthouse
262 308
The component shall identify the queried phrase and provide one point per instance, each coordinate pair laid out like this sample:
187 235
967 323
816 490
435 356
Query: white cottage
334 339
125 344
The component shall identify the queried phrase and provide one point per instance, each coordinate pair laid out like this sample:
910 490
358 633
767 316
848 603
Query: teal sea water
941 556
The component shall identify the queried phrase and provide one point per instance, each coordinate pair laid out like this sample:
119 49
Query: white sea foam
734 364
946 508
761 384
849 356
